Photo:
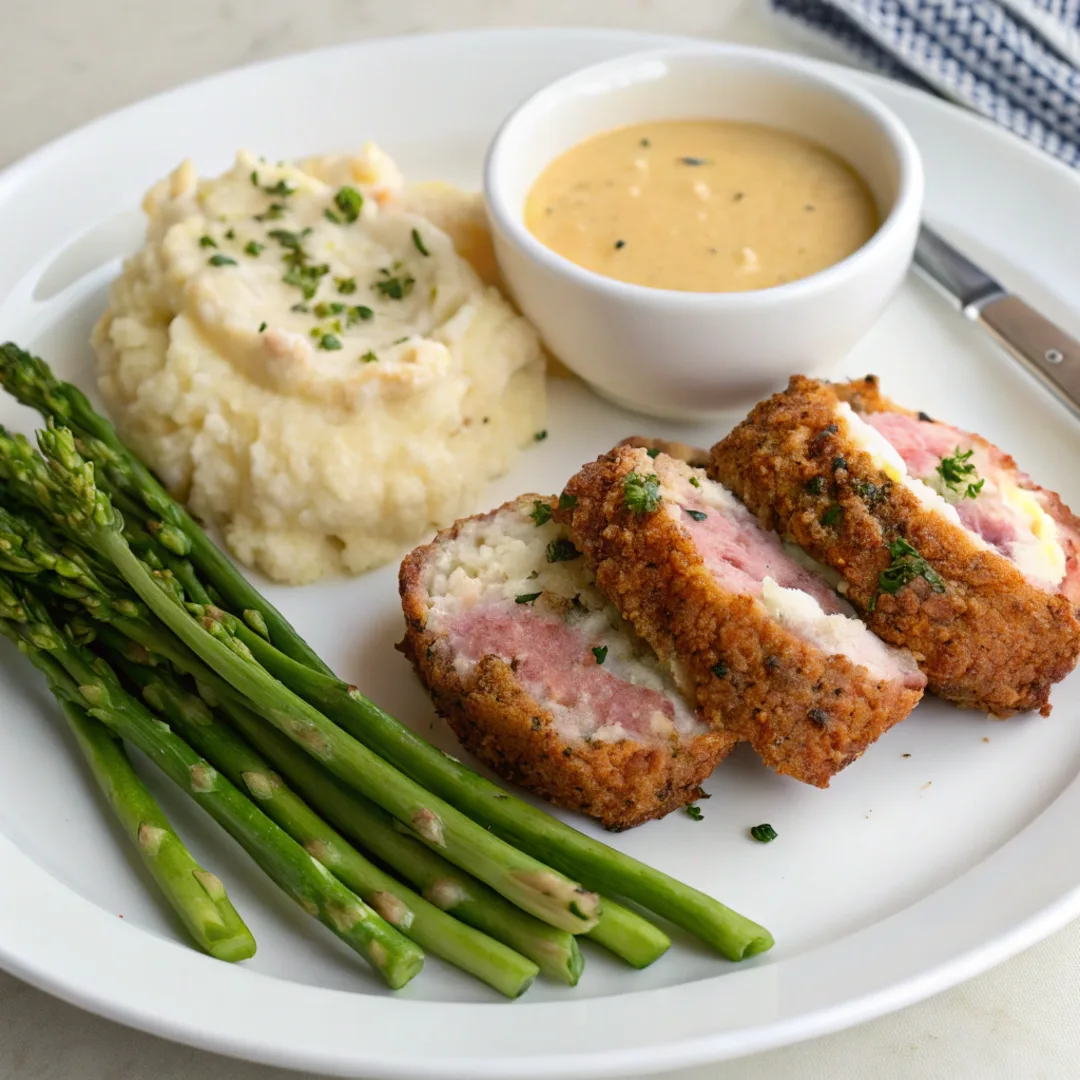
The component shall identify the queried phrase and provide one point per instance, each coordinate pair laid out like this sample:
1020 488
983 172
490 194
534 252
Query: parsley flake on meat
526 598
697 515
642 493
958 474
562 550
907 565
600 652
567 502
541 512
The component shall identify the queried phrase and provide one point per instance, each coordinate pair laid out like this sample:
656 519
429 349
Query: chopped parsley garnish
642 493
540 513
619 245
814 485
330 342
694 161
253 248
653 452
349 201
262 327
230 234
600 652
540 436
254 178
323 309
907 565
694 812
368 358
567 502
272 212
645 142
763 834
394 288
926 418
695 482
418 243
305 278
697 515
345 285
958 474
526 598
562 550
293 241
280 188
221 260
300 307
331 216
838 463
207 241
359 313
832 515
870 492
719 669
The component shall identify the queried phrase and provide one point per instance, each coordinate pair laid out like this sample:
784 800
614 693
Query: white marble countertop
68 61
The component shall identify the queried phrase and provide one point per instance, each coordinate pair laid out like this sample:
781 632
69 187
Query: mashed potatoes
302 355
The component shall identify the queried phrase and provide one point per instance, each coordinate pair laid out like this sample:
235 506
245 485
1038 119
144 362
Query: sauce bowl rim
536 106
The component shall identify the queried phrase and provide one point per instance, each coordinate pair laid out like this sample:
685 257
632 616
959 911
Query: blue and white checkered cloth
1014 61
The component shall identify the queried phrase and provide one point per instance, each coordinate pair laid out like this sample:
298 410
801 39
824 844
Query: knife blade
1041 346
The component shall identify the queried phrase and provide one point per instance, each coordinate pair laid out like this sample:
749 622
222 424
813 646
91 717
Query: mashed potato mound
305 358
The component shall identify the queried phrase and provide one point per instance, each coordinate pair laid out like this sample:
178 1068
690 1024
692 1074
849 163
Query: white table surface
67 61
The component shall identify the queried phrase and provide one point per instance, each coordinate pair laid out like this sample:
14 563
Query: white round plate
938 854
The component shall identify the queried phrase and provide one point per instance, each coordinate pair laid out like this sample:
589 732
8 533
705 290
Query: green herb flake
719 669
600 652
815 485
832 515
254 178
230 234
562 550
540 436
330 342
697 515
694 161
958 474
907 565
358 313
418 243
272 212
349 201
262 327
394 287
540 513
567 502
207 241
221 260
254 248
288 239
345 285
838 463
645 143
331 216
653 453
642 493
280 188
305 278
763 834
526 598
324 309
694 812
695 482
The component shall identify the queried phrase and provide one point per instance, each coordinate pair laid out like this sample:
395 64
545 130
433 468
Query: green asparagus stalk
195 894
554 951
98 690
435 931
29 380
542 835
65 491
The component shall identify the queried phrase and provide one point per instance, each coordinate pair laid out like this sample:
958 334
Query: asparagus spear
507 971
97 689
65 491
30 381
195 894
544 836
555 951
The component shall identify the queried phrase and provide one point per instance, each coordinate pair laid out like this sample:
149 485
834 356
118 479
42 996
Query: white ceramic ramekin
683 355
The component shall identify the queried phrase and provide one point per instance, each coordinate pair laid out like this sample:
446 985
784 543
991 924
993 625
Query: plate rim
965 964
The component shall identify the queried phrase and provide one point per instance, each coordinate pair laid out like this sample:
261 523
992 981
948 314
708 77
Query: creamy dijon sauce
701 206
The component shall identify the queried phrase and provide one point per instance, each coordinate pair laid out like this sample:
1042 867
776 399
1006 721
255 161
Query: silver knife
1047 351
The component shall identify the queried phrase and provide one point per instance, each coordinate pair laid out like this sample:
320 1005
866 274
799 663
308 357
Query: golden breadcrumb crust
621 784
990 640
806 714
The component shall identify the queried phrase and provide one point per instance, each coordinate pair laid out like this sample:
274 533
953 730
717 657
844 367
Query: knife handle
1049 353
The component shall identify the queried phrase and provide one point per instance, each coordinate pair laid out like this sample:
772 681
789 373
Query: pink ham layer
555 663
923 443
741 555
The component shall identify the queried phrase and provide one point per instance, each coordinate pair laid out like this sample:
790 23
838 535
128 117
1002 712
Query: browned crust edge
807 714
990 641
621 784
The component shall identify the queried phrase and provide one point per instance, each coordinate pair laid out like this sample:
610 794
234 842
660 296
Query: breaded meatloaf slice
539 676
761 643
943 545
